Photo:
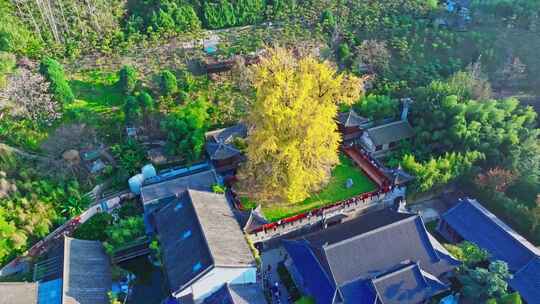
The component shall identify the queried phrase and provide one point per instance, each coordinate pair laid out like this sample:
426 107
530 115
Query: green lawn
333 192
98 101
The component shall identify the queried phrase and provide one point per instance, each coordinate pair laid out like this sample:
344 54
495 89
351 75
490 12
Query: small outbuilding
237 294
381 139
222 147
351 125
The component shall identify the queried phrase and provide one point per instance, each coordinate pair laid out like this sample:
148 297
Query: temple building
469 220
351 125
223 147
381 139
79 273
202 245
380 257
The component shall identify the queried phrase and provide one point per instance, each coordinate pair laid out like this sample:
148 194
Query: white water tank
148 171
135 183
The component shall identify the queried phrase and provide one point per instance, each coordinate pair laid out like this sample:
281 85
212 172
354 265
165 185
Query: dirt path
10 149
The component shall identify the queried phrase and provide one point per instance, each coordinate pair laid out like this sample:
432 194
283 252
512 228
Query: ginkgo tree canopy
293 141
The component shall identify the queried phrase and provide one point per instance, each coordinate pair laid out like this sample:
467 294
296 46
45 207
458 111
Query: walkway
367 165
66 229
269 264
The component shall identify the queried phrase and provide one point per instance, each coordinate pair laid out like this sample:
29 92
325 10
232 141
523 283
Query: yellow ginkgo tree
293 140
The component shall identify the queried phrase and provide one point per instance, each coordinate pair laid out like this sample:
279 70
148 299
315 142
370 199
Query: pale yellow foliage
293 141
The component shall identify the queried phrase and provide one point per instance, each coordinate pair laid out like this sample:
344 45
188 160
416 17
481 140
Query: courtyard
335 191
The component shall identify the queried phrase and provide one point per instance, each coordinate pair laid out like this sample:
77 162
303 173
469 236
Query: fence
317 216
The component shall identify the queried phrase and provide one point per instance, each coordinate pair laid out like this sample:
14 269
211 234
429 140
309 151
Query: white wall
367 143
218 276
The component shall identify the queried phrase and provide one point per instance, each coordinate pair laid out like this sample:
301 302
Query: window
197 267
178 206
186 234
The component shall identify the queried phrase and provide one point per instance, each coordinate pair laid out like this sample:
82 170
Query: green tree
95 228
344 53
9 239
15 35
377 107
168 84
130 156
513 298
132 109
441 170
328 20
480 284
58 85
185 128
127 79
469 253
124 232
147 104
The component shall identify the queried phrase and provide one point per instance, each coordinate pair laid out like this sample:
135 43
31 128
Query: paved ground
429 210
270 259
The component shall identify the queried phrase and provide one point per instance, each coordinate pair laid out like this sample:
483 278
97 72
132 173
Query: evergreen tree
127 79
168 84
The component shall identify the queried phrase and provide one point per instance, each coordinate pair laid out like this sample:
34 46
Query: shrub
344 53
58 85
127 79
168 84
287 280
218 189
512 298
95 228
7 64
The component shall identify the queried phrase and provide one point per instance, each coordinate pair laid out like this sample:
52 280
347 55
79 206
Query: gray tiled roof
391 132
199 181
221 230
87 272
219 143
182 242
237 294
247 294
217 151
255 220
199 228
351 119
407 284
226 135
372 243
18 293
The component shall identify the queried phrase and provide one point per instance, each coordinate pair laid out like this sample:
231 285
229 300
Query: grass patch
305 300
333 192
98 101
96 93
